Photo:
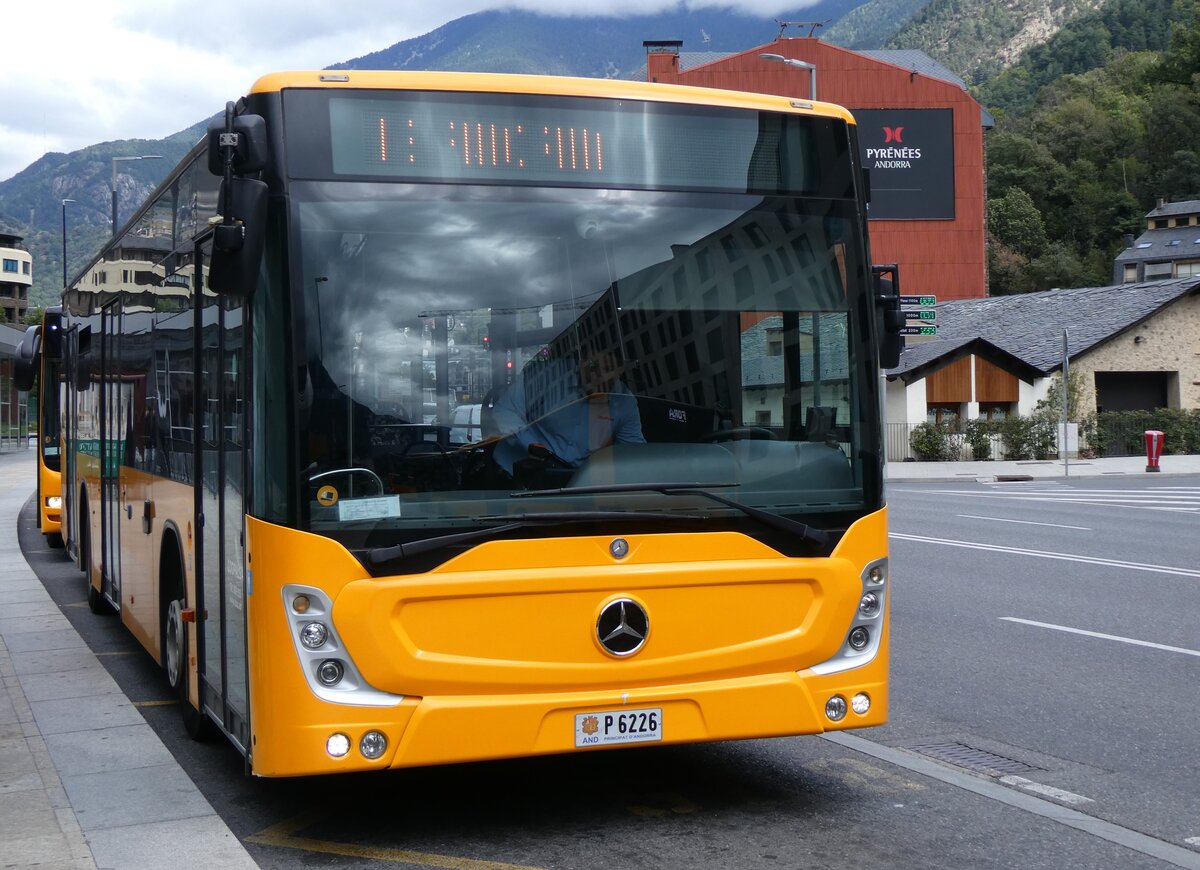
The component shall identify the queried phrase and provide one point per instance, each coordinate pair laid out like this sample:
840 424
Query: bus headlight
835 708
328 666
54 502
337 745
859 638
314 635
373 744
330 672
860 703
868 605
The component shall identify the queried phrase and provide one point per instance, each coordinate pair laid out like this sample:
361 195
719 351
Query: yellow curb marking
282 836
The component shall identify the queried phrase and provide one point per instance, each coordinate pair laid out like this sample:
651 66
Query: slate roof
1174 209
906 58
1156 245
1030 326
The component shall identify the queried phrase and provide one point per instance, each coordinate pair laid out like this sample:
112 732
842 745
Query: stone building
1132 347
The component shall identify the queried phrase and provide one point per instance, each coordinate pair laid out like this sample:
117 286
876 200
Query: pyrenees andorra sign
910 156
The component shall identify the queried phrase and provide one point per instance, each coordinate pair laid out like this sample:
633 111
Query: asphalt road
993 587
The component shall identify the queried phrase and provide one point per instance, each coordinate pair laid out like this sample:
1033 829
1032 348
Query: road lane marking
283 835
1022 522
1049 791
1042 554
986 788
1130 640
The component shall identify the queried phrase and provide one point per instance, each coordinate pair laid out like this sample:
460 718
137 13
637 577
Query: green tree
1016 222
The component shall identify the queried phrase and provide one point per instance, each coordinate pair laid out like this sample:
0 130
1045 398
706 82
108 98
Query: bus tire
95 600
175 647
54 541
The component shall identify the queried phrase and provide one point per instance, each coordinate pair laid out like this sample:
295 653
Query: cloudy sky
79 72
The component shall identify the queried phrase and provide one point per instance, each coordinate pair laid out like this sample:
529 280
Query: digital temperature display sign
564 141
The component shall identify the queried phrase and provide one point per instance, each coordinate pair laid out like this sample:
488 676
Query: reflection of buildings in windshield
721 335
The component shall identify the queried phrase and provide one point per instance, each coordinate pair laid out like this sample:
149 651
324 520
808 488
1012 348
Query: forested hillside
1077 160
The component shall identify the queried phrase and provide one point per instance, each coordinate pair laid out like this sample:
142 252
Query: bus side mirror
25 363
889 318
238 243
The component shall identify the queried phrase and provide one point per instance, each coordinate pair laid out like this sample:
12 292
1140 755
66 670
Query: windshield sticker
369 508
327 496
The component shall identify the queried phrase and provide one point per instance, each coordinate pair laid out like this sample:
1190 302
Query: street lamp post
115 160
799 64
64 240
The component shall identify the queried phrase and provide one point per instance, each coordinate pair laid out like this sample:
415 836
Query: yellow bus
37 367
421 418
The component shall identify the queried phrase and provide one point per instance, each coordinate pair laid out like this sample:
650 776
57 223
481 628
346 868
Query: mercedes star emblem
622 627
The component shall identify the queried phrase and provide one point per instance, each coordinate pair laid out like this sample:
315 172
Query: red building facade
912 124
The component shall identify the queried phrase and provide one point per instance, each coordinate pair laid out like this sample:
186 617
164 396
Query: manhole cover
970 758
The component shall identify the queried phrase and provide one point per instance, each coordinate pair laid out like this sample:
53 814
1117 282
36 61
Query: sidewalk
1004 470
84 781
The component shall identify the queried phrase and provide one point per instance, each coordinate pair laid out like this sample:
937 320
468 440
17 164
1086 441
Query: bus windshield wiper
775 521
507 523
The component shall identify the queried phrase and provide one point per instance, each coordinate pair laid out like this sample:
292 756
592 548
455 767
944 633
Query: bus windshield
466 342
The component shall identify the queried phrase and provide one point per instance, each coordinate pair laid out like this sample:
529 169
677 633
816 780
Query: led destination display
535 140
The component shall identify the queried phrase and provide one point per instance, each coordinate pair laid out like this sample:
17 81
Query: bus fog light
314 635
859 638
54 503
300 604
373 744
860 703
868 605
330 672
337 745
835 708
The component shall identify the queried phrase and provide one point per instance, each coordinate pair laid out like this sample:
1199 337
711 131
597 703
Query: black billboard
910 155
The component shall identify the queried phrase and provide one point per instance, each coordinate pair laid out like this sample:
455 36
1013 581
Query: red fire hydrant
1154 447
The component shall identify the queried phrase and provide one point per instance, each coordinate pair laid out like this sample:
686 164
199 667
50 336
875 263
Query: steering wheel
348 474
755 433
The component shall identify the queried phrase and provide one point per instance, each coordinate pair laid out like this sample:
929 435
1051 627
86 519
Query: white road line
1130 640
1171 853
1042 554
1067 797
1022 522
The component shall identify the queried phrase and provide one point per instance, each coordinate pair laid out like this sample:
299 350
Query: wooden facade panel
994 384
951 384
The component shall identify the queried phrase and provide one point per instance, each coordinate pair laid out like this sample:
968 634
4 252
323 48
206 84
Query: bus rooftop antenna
812 25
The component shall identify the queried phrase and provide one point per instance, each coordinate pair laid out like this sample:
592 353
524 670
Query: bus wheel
175 655
54 541
96 602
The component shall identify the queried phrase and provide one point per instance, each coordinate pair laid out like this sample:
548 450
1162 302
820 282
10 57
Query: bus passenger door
222 444
111 449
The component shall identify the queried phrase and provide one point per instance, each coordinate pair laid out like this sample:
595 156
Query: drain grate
970 758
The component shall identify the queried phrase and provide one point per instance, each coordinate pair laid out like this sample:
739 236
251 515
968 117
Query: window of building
1144 245
1174 243
10 265
994 411
774 342
1130 272
1161 223
1186 270
944 415
1158 271
26 267
762 418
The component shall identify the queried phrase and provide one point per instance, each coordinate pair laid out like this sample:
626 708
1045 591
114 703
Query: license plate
618 726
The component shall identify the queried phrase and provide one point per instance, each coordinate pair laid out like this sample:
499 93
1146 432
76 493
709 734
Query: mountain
514 41
979 38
